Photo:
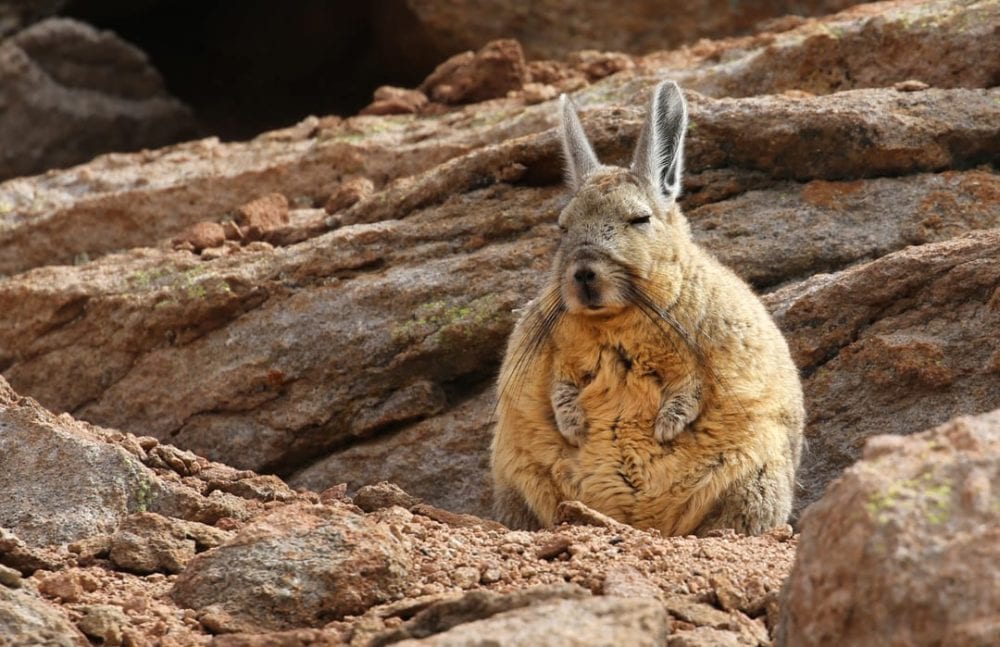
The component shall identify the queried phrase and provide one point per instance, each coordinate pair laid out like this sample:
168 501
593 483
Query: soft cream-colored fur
707 354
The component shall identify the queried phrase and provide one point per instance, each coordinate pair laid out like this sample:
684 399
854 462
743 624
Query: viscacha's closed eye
642 219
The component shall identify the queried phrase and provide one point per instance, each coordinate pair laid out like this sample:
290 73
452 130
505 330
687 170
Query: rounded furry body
647 380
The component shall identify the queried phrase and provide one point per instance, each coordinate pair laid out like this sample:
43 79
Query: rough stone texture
430 295
941 43
492 72
299 566
366 352
904 547
893 345
26 621
599 621
121 202
445 555
60 482
71 92
446 460
67 480
552 28
148 542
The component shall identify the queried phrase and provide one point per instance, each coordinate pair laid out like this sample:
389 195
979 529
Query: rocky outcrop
265 371
904 546
552 28
71 92
914 342
292 568
249 325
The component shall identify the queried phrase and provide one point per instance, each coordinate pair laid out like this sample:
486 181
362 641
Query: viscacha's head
622 225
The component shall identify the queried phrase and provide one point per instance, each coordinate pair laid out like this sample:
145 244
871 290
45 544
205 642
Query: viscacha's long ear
659 155
579 155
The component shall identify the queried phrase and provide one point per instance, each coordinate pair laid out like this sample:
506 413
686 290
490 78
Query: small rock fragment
181 461
490 73
263 215
383 495
390 100
200 236
538 92
65 586
910 85
554 548
628 582
148 542
10 577
596 65
104 622
348 193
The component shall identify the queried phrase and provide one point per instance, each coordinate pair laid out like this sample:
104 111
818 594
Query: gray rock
27 621
71 92
61 481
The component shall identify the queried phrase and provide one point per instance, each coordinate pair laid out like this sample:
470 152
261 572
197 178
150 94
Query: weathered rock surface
599 621
297 565
357 344
26 621
60 485
71 92
893 345
66 480
904 547
427 318
552 28
301 566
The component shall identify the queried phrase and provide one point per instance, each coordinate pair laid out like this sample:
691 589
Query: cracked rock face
216 305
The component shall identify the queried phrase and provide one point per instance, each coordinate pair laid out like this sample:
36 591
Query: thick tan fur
731 466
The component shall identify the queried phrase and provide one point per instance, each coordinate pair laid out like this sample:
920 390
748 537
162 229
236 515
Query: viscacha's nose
584 276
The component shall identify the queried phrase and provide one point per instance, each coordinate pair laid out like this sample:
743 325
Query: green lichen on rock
444 322
143 496
923 495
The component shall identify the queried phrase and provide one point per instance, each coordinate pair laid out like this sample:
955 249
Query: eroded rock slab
904 546
892 345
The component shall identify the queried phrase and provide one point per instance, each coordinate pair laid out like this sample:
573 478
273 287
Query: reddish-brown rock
489 73
300 566
904 547
892 345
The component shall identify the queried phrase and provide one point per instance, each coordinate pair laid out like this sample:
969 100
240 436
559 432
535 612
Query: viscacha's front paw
674 417
570 419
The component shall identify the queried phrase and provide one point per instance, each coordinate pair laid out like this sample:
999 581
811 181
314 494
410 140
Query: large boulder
71 92
904 547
